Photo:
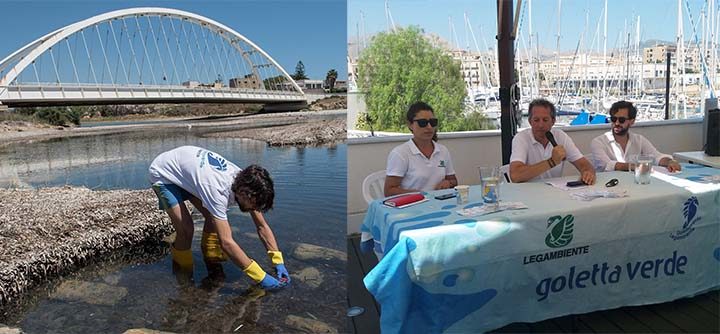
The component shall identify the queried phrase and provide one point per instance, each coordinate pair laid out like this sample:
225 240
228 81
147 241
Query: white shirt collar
415 150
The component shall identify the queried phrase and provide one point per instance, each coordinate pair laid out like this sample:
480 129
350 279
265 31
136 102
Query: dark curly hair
632 111
255 182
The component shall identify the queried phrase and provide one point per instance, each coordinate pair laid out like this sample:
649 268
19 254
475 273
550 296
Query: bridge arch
267 88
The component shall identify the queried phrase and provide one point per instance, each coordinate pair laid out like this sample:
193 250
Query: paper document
485 209
663 170
590 195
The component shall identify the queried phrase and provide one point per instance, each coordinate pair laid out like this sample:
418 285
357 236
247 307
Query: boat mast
713 36
680 59
639 84
388 18
557 57
627 59
582 82
605 51
486 76
701 46
494 73
535 89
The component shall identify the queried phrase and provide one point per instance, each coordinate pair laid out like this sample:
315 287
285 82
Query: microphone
551 138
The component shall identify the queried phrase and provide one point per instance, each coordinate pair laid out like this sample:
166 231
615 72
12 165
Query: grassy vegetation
58 116
10 116
72 116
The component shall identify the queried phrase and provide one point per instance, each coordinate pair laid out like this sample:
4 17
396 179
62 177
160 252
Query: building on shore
250 81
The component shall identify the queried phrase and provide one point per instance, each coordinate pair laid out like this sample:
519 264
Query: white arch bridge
145 55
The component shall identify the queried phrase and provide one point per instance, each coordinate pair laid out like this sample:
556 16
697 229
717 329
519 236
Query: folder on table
405 200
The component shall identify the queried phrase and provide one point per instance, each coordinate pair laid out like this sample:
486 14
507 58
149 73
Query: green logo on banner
561 232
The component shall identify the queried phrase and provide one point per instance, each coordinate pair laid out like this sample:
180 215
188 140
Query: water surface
141 291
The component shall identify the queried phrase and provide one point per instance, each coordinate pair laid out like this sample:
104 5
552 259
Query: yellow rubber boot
211 249
183 258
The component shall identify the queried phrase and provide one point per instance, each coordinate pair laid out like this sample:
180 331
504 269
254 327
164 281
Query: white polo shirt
204 174
417 171
606 151
529 151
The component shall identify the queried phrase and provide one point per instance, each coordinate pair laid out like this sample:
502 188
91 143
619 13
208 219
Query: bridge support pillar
282 107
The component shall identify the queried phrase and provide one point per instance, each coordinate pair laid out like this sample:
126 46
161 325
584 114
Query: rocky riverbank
14 133
307 129
52 231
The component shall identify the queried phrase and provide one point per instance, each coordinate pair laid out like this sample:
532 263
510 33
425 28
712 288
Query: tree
402 67
299 71
330 79
274 83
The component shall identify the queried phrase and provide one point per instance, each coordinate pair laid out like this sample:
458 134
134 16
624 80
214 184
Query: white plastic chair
373 187
505 172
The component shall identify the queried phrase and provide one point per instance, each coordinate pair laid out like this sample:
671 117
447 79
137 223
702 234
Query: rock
251 235
308 325
305 251
310 276
88 292
112 279
9 330
144 331
170 238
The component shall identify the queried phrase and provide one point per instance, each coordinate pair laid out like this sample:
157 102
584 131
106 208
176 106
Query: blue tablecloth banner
442 272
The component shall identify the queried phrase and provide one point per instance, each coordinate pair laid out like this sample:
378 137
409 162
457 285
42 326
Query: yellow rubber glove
183 258
258 275
211 249
255 272
275 257
280 270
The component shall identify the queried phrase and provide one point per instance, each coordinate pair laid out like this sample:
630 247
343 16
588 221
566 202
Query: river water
138 289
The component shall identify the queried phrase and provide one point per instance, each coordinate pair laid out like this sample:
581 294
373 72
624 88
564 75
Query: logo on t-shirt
217 162
442 163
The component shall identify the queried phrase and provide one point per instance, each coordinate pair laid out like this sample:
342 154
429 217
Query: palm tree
330 79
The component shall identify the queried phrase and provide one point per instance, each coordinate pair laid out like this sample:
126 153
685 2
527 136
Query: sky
311 31
658 19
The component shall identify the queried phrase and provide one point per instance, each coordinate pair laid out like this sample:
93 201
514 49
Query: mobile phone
575 183
445 196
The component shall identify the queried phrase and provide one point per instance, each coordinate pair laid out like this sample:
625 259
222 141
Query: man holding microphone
540 152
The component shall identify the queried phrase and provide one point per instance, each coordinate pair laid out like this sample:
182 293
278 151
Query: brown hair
255 182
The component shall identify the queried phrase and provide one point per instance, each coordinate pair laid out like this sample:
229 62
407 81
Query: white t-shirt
529 151
606 151
205 174
417 171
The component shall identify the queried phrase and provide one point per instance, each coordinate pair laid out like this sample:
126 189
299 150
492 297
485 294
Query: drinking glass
643 169
489 180
632 162
463 194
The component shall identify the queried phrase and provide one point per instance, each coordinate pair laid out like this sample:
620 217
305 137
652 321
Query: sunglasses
618 119
424 122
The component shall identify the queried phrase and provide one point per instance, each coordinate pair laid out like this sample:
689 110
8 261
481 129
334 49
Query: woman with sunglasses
612 149
420 164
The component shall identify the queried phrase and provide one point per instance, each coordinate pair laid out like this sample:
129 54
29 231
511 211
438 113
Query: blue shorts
170 195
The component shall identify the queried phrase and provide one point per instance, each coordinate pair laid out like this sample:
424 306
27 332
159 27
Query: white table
698 157
443 272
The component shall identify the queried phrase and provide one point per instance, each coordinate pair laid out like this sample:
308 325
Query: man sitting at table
535 157
612 149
